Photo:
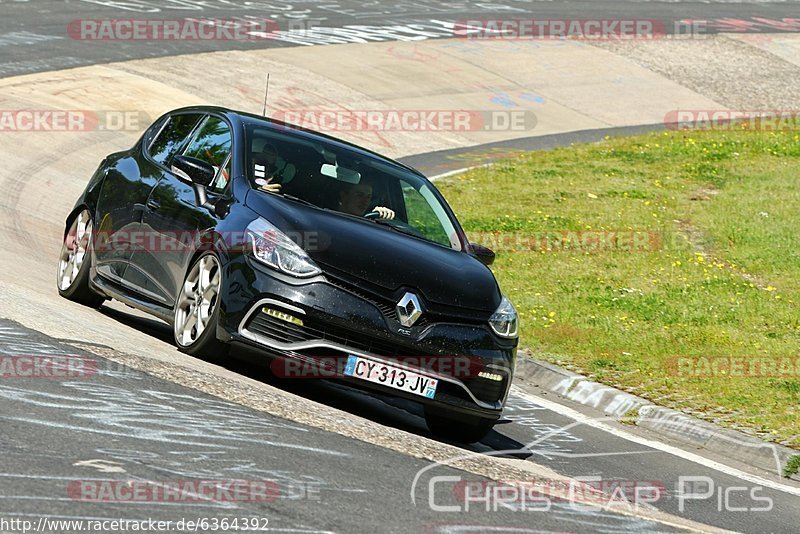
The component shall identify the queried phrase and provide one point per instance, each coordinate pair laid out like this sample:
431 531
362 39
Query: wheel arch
79 207
89 198
211 240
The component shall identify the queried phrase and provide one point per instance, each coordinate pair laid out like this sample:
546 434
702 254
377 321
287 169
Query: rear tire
197 311
470 430
75 261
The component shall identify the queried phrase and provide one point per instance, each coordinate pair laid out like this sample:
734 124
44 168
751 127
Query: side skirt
116 291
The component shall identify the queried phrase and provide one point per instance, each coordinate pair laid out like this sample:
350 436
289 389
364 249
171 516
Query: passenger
275 172
355 200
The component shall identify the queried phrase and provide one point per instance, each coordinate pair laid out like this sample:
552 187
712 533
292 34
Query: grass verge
667 265
792 466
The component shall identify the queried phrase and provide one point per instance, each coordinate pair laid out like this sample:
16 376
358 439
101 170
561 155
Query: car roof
291 129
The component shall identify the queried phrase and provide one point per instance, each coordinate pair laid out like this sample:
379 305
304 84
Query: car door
126 187
170 135
172 218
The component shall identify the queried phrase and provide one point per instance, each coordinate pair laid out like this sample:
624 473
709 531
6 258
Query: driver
276 171
355 199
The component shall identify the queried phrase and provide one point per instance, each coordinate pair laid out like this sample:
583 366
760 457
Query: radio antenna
266 95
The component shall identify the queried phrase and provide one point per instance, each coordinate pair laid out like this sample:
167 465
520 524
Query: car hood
381 256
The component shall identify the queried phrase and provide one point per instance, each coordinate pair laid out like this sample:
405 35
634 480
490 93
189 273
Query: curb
533 376
443 163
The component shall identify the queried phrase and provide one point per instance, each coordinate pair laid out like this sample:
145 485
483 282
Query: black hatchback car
329 259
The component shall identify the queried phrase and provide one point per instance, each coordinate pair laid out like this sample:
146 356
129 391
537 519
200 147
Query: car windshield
331 176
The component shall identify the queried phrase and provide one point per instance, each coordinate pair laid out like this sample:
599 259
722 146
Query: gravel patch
726 70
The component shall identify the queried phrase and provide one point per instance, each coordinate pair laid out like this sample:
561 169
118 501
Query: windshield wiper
291 197
300 200
388 224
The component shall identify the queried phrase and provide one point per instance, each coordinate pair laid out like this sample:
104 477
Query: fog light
283 316
490 376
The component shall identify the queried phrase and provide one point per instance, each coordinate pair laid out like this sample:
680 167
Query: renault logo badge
409 309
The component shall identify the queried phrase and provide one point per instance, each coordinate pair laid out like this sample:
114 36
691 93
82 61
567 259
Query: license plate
390 376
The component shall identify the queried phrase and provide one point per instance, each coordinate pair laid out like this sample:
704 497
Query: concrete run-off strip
565 86
568 86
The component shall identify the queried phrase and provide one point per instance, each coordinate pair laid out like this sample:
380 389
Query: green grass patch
666 264
792 467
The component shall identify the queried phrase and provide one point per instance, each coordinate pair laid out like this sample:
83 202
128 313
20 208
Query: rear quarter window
172 137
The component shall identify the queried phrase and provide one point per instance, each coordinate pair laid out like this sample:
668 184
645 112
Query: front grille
261 324
386 306
311 330
386 301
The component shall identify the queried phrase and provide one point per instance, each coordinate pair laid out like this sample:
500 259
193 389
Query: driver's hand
384 213
270 188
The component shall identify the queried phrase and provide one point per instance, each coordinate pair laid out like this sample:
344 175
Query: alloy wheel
74 249
197 300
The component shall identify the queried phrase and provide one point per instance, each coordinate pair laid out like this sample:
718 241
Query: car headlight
273 248
504 320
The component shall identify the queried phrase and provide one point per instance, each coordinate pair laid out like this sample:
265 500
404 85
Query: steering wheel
372 215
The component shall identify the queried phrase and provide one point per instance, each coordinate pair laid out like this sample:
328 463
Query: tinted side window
172 136
153 131
212 143
220 183
421 215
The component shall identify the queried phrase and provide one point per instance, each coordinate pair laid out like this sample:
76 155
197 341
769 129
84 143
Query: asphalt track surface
35 35
123 425
443 162
120 425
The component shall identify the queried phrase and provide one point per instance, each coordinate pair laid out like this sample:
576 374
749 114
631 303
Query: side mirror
194 170
482 254
199 173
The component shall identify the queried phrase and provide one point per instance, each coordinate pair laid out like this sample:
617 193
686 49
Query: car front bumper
318 321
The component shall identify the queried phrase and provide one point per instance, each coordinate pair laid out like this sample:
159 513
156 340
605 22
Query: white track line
663 447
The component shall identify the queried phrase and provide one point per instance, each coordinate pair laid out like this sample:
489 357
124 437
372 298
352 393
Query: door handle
153 204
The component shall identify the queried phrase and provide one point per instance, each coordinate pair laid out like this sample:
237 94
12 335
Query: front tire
461 430
74 263
197 310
